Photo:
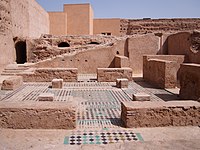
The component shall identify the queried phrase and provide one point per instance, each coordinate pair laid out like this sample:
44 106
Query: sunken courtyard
97 78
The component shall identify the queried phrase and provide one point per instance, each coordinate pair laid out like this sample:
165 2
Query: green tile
98 142
97 137
66 140
139 137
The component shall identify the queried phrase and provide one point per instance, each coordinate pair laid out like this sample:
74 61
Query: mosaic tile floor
102 137
99 105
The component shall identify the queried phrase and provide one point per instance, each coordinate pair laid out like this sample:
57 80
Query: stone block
12 83
38 115
190 81
161 73
46 97
112 74
160 114
57 83
121 61
122 83
141 97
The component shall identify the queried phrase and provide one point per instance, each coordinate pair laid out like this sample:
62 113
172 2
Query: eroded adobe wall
19 18
144 26
6 44
185 43
29 18
87 53
19 14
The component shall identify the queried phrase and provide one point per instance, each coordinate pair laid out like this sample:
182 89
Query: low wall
179 59
161 73
37 115
159 114
112 74
48 74
190 81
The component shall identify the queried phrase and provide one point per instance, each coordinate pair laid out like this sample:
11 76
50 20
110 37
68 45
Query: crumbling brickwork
144 26
160 114
40 115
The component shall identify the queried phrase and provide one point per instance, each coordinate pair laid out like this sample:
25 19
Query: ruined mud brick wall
47 46
48 74
40 115
190 81
185 43
87 53
6 37
144 26
161 73
160 114
112 74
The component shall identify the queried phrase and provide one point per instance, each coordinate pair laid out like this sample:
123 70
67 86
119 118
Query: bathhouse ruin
58 72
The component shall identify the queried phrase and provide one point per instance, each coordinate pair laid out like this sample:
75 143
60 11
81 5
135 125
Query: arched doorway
20 48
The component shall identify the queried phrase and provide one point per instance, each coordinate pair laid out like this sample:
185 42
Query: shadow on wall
126 52
163 50
112 64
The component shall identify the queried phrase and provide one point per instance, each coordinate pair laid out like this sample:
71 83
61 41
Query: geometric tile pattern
102 137
100 105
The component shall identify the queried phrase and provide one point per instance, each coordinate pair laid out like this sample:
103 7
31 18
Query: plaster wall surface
7 54
107 26
29 19
58 23
185 43
79 19
38 19
161 73
20 17
86 61
140 46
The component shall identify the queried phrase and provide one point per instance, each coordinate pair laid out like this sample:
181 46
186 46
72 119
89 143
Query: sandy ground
173 138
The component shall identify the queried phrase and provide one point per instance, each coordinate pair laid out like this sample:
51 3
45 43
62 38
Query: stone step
8 74
13 71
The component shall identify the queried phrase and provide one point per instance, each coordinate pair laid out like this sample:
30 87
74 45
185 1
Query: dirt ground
173 138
